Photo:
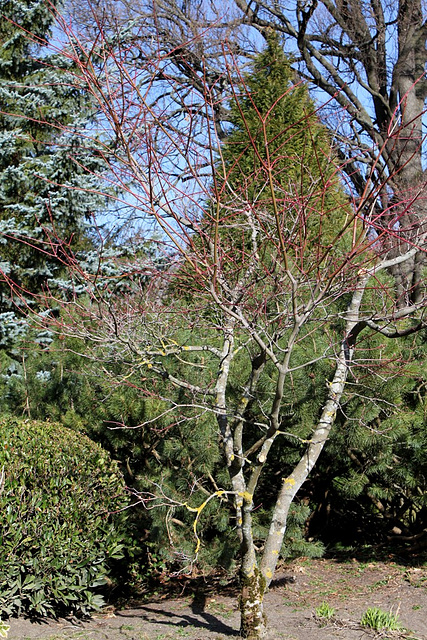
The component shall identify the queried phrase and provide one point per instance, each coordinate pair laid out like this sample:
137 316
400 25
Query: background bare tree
367 58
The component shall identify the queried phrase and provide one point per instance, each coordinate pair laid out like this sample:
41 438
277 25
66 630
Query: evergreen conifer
275 126
45 194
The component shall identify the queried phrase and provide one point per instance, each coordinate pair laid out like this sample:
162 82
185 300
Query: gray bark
292 483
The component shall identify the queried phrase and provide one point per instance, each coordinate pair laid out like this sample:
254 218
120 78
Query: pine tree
374 471
44 191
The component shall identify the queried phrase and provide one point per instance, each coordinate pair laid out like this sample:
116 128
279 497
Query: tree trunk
292 483
252 582
253 621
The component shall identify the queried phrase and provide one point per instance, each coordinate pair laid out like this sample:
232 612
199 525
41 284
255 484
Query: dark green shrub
58 530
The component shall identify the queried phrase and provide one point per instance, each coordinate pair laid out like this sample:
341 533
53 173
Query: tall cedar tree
274 121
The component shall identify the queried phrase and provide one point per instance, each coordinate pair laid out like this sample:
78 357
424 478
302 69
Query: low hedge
61 522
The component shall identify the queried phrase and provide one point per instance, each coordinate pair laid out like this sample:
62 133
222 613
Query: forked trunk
256 578
253 621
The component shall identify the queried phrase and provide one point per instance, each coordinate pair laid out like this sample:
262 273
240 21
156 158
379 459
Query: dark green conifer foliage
374 470
45 195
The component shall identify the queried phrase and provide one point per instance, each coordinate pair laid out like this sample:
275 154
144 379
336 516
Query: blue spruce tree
46 190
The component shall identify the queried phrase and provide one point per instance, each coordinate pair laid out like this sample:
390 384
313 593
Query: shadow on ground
349 588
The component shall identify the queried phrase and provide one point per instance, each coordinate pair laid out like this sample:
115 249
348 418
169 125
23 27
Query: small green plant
380 620
380 583
362 566
324 612
4 628
220 608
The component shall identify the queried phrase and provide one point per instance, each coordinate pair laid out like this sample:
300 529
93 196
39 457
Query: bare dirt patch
348 588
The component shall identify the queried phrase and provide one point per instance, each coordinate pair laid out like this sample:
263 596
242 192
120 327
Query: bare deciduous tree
368 57
250 281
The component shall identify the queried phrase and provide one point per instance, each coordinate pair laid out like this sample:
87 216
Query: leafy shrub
58 533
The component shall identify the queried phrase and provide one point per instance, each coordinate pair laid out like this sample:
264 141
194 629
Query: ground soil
300 588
